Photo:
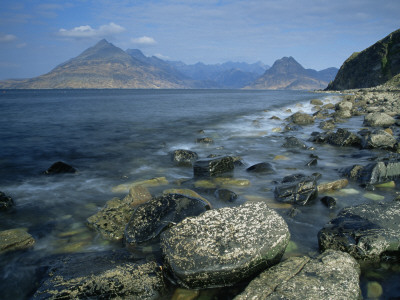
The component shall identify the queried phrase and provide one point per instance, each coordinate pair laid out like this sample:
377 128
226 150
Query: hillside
101 66
286 73
374 66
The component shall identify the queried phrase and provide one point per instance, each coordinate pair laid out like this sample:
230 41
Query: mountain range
107 66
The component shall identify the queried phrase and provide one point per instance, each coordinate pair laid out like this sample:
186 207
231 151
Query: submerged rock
156 215
225 195
224 246
102 275
331 275
15 239
6 202
184 157
296 189
293 143
328 201
263 167
111 220
365 231
60 168
213 166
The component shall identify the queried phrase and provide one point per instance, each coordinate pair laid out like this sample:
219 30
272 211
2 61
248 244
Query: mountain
102 66
376 65
226 75
286 73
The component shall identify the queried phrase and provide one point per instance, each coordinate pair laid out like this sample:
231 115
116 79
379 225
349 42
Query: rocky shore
178 245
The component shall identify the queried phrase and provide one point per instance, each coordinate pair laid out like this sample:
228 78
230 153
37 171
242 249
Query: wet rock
101 275
319 137
316 102
205 140
15 239
328 201
263 167
60 168
111 220
333 185
300 118
332 275
156 215
379 172
312 162
226 195
343 137
379 139
184 157
6 202
125 187
224 246
293 143
297 189
213 166
365 231
378 119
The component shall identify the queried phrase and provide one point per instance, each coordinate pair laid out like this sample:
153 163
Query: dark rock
319 137
365 231
6 202
184 157
60 168
328 201
102 275
327 125
15 239
378 119
205 140
379 172
343 137
222 247
331 275
264 167
379 139
293 143
352 172
156 215
213 166
300 118
226 195
293 127
312 162
298 189
275 118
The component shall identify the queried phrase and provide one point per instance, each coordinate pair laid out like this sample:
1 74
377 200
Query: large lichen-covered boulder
365 231
111 220
378 119
331 275
213 166
156 215
296 189
379 139
224 246
110 275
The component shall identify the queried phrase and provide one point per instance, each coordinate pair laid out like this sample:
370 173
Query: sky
38 35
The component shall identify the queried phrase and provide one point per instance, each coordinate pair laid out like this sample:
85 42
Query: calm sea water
119 136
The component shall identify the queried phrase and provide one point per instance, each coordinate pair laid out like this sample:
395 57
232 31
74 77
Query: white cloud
5 38
144 40
86 31
163 57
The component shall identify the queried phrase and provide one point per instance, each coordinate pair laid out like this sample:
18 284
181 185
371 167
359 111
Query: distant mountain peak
286 65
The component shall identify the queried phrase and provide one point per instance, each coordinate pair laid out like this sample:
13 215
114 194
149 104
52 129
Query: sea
114 137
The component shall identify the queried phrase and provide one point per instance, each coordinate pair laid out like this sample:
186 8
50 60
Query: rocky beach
173 242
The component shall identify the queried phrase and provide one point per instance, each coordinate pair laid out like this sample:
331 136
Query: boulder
344 105
379 139
225 195
378 119
213 166
263 167
293 143
365 231
60 168
156 215
15 239
222 247
184 157
300 118
101 275
297 189
331 275
316 102
6 202
379 172
343 137
327 125
111 220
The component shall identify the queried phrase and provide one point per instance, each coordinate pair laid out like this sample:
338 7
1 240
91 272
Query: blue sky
36 36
